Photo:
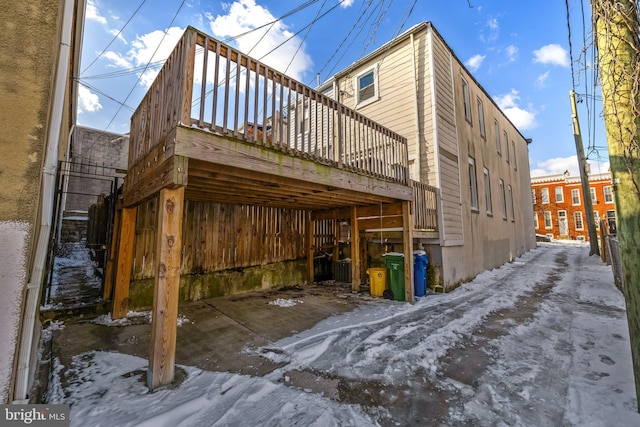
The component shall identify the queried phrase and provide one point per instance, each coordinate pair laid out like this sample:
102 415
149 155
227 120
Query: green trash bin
394 261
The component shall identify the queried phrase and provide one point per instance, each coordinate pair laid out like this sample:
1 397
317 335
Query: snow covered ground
540 341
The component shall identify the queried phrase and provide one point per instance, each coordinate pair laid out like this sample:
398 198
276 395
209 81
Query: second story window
515 162
575 196
559 195
533 196
497 129
545 195
506 145
483 132
367 87
593 194
466 99
608 194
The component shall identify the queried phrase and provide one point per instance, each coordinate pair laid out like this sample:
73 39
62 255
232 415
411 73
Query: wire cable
114 38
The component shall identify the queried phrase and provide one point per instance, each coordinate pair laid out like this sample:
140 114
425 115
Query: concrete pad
216 334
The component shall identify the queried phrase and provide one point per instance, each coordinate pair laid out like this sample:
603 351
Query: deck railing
211 86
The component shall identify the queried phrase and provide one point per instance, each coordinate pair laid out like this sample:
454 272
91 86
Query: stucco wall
27 59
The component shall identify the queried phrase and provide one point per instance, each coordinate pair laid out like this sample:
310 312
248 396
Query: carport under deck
218 126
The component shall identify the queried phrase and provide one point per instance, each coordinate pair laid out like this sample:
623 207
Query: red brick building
558 205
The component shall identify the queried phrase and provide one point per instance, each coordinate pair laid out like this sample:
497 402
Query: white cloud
493 31
346 3
521 118
542 78
145 49
245 15
117 59
92 13
475 62
557 165
88 101
512 52
553 54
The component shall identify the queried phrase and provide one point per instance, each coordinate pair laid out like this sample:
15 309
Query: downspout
416 112
29 331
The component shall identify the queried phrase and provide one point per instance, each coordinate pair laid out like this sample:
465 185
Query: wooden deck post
407 225
125 259
355 251
310 269
166 285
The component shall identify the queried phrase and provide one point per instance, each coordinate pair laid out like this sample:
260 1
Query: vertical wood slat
216 77
247 86
265 98
203 86
166 288
236 103
112 262
125 260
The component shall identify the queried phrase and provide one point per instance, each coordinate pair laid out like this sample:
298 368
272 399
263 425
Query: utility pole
584 178
616 28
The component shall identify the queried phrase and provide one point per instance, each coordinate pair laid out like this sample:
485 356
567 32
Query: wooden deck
218 126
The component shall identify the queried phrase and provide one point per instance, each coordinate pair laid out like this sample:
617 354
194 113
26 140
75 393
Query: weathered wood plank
166 287
216 149
384 222
355 251
125 259
408 251
112 262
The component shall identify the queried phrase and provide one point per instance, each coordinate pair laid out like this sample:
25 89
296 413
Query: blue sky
519 51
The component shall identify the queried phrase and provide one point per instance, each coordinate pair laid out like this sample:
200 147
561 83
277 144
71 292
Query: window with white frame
535 221
559 195
575 196
487 191
483 131
367 85
473 184
466 99
503 198
577 218
533 196
506 145
547 220
608 194
511 205
545 195
497 129
593 194
515 162
596 219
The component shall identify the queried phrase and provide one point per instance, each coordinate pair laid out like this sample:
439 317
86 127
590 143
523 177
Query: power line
114 38
146 67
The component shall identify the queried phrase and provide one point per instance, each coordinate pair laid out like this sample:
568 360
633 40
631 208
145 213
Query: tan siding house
416 86
36 120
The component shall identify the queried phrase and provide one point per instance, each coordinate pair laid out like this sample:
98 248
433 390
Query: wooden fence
425 204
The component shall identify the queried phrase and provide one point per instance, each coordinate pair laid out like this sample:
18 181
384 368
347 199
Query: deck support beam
407 225
166 285
310 251
355 251
125 260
